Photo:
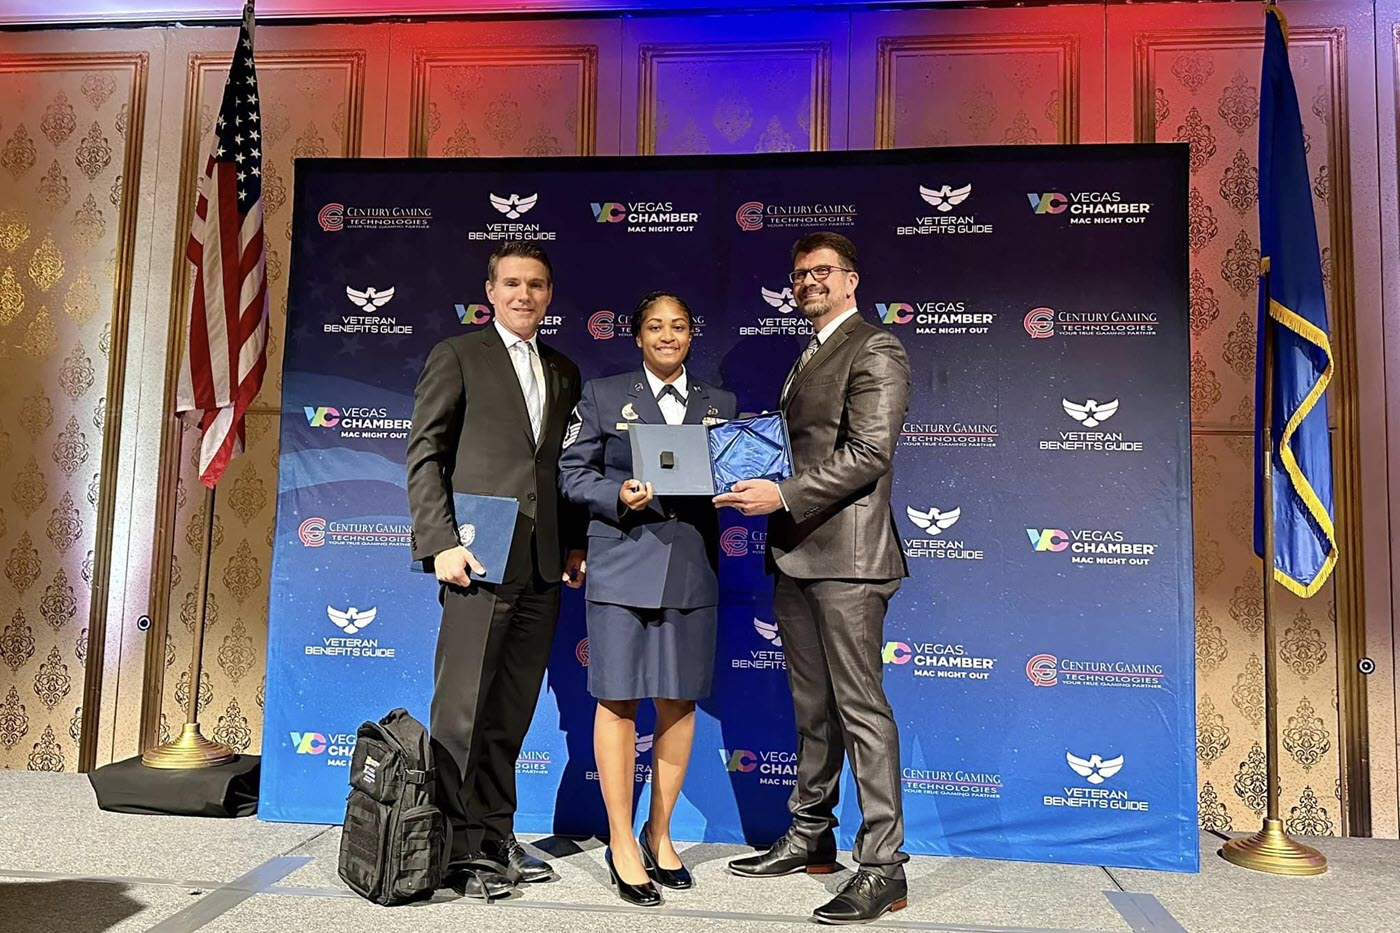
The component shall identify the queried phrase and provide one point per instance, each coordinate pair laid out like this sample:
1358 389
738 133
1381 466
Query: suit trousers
833 634
492 651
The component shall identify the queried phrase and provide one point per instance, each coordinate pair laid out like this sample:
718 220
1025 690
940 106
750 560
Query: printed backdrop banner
1039 657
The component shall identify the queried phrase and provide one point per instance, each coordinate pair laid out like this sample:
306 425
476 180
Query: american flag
225 352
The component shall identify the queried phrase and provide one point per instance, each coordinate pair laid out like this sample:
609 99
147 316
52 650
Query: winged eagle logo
1092 413
933 521
514 205
1094 769
946 198
351 620
371 299
781 300
769 630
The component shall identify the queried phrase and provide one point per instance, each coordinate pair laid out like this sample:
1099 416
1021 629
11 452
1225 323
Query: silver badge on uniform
629 413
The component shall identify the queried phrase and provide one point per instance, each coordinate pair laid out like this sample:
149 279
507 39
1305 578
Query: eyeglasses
798 276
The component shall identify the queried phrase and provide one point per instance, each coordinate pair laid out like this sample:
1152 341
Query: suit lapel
499 357
824 353
643 402
553 387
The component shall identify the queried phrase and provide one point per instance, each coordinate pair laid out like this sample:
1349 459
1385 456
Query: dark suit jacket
666 555
471 433
844 413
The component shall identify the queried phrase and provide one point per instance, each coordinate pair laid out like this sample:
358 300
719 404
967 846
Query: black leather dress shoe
639 895
866 897
788 856
478 878
519 866
676 878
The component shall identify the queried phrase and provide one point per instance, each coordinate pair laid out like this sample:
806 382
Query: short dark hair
826 239
525 249
652 298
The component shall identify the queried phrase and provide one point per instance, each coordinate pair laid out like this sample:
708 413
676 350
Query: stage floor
67 867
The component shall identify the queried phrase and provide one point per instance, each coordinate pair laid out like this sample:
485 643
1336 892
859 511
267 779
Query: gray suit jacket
844 412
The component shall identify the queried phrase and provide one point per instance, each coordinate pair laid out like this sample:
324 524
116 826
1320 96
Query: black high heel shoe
639 895
676 878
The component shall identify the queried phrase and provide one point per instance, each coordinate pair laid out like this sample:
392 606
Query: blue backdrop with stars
1039 657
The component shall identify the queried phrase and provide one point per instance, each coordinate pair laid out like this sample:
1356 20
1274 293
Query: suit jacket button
531 497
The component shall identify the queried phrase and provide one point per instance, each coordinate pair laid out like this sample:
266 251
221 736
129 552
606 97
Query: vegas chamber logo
1096 771
933 521
338 747
756 215
513 206
738 541
473 315
1097 546
317 531
1048 670
1044 323
1080 208
366 319
774 767
1091 413
778 316
939 660
645 216
935 782
335 217
948 218
349 623
946 318
357 421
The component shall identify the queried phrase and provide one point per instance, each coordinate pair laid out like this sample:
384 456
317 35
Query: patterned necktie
813 346
525 372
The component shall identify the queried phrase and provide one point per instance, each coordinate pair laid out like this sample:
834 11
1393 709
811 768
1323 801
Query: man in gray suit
836 554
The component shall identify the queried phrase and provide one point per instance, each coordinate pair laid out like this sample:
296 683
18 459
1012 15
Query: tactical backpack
396 841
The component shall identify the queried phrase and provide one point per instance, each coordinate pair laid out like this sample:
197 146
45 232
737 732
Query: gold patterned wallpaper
1202 89
64 235
448 92
312 108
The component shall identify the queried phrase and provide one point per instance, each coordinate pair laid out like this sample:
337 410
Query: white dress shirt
672 408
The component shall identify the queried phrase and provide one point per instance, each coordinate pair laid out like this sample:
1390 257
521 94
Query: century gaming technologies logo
1048 670
758 215
946 318
949 434
943 660
957 783
949 216
316 531
1089 207
738 541
357 421
336 217
533 762
1043 323
774 767
1092 546
645 216
1091 413
1104 790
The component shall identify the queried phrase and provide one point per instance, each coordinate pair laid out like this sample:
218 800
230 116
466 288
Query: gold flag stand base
1272 850
191 750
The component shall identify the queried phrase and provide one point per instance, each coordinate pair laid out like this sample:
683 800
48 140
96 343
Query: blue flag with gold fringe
1293 303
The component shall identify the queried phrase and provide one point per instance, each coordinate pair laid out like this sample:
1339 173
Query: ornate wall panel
505 89
977 77
70 134
742 84
1201 87
313 106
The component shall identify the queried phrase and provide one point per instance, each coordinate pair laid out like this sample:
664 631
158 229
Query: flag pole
191 749
1271 849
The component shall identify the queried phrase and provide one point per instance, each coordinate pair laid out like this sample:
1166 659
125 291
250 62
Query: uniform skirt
637 653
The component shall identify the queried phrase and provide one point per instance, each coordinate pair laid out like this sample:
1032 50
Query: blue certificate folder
700 460
485 526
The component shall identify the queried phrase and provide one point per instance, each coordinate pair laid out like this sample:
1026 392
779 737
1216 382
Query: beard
816 302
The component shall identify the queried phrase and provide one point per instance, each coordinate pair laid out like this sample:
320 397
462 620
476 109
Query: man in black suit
489 415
